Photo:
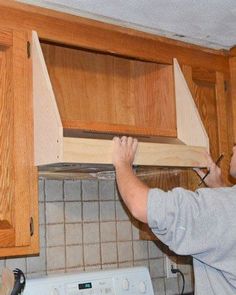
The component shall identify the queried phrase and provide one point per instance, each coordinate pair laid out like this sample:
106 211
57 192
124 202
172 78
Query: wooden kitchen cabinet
103 93
18 176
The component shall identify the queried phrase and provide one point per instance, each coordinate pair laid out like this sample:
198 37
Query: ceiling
210 23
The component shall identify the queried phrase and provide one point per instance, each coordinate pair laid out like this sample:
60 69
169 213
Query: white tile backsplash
96 233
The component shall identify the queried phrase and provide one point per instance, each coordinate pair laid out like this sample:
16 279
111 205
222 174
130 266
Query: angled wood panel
190 129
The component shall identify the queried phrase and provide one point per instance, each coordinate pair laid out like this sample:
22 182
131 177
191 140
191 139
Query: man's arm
133 191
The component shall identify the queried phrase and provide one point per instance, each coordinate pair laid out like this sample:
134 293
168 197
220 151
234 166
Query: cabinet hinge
28 49
31 226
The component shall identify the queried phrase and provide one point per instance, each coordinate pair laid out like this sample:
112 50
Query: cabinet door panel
18 176
108 94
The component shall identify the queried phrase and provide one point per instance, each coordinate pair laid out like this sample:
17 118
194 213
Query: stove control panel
123 281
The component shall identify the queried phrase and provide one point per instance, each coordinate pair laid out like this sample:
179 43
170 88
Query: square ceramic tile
90 211
53 190
154 250
110 266
42 235
107 211
20 263
144 263
73 233
54 212
106 190
72 190
55 235
159 286
37 264
89 190
41 190
157 268
135 232
171 286
124 232
74 256
122 212
73 212
140 250
92 254
109 253
55 258
91 233
125 251
42 218
108 231
126 264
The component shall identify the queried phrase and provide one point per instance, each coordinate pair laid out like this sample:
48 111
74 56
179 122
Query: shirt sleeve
185 221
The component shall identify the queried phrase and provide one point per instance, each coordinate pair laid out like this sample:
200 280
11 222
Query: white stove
123 281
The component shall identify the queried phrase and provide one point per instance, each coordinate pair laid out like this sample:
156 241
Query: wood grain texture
211 100
232 65
104 93
6 138
98 151
48 130
78 31
18 177
222 124
190 128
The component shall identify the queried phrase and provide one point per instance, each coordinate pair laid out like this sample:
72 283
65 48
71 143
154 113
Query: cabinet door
18 176
209 89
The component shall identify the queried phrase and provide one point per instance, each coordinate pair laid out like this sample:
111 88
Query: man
201 223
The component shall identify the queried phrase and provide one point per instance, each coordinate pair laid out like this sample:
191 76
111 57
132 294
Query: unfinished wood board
190 129
48 129
80 150
104 93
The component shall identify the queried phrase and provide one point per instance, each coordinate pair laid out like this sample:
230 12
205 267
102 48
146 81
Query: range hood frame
52 147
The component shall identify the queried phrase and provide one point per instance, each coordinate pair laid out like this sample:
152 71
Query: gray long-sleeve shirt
201 224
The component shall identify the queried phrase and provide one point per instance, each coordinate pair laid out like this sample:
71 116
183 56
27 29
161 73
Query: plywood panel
48 129
98 151
190 128
95 90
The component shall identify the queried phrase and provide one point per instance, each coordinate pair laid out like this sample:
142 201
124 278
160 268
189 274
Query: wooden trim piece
232 66
190 129
222 122
118 129
98 151
78 31
48 128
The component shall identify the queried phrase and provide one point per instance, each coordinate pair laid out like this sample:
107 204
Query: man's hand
124 150
214 178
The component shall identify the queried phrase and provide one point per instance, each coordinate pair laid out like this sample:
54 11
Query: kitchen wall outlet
170 263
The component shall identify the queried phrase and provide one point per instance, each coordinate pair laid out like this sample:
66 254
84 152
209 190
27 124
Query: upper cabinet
18 175
82 98
104 93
